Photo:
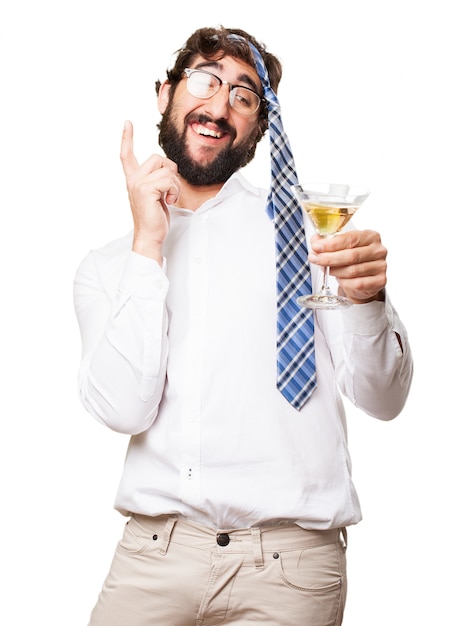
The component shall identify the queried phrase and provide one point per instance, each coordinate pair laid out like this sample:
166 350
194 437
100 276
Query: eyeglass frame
188 71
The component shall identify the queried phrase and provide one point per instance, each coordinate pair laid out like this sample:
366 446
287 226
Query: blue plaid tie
296 364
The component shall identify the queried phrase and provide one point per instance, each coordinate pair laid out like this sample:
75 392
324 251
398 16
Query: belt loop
257 548
343 531
168 529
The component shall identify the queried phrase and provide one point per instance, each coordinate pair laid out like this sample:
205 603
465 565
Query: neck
193 196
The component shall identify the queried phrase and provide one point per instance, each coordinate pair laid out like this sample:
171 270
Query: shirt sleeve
124 341
373 360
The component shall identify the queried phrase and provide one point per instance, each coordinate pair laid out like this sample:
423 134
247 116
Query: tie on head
296 364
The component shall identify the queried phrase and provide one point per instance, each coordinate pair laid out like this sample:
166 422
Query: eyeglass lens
204 85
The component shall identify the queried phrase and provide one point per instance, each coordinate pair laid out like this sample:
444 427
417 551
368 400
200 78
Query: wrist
148 247
378 297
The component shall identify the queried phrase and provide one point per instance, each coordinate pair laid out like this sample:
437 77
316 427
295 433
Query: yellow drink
329 220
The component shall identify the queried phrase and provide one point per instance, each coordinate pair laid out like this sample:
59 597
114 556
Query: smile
206 132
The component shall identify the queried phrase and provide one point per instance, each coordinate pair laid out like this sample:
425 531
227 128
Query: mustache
202 118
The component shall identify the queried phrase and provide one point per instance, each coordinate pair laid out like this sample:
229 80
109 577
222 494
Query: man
238 500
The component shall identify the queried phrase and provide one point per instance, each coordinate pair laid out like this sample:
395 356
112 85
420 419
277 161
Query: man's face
207 139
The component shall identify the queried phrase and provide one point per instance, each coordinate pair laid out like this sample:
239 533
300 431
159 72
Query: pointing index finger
129 162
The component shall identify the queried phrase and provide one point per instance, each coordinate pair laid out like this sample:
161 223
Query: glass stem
325 283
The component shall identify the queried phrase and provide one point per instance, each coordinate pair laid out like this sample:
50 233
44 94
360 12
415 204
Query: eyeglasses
204 85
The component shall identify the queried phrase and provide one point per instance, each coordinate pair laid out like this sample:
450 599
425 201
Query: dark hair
215 43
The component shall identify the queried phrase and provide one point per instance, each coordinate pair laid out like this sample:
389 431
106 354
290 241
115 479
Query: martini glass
330 207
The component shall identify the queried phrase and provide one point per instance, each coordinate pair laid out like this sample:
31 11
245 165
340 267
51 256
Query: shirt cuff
142 276
366 319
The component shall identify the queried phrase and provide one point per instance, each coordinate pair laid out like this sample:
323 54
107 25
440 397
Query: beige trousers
170 572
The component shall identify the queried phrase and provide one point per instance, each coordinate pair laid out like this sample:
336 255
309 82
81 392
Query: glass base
324 301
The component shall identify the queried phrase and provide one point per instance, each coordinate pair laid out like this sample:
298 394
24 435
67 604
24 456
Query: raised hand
150 187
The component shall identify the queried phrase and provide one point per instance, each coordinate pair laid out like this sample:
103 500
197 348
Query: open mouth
207 132
206 127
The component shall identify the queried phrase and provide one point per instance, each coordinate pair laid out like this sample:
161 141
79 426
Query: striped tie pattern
296 364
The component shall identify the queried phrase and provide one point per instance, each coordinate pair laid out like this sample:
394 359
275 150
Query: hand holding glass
330 207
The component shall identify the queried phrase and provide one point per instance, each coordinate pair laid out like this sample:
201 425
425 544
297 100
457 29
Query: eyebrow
244 78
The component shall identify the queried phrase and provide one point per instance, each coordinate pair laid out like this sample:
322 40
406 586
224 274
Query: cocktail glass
330 207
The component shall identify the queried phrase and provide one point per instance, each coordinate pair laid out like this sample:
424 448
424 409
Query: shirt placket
197 285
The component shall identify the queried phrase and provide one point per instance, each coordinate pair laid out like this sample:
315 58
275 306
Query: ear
163 96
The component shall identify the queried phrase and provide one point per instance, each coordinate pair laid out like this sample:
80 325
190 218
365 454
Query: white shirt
183 359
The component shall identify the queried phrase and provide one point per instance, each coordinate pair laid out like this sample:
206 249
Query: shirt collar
235 183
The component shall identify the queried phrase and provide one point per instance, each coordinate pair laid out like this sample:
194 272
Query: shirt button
223 539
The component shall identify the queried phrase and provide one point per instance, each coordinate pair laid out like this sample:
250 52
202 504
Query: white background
374 92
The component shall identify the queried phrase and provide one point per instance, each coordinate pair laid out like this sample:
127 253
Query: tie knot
269 93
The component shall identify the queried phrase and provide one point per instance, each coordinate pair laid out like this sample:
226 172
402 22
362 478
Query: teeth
201 130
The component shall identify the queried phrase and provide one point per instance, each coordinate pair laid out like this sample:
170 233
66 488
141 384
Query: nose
218 106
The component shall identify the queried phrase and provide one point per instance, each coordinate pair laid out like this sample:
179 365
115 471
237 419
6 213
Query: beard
226 163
